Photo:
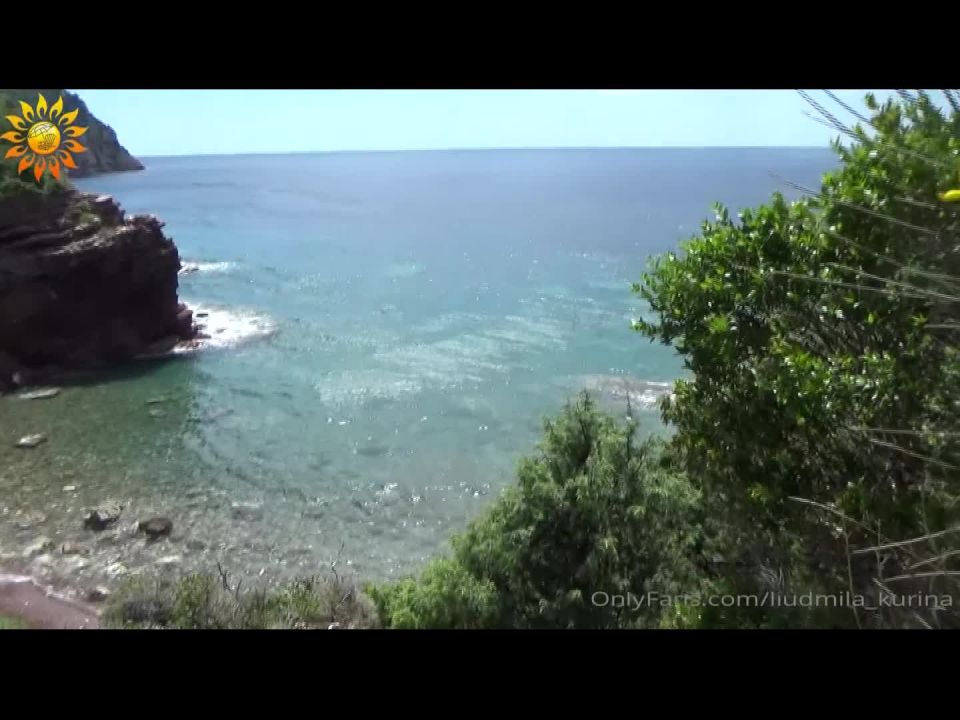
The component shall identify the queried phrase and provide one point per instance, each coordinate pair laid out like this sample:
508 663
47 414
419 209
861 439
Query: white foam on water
228 327
206 267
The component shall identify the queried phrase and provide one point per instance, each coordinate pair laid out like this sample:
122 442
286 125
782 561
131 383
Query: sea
388 332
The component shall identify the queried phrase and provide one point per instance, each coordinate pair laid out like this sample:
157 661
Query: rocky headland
104 153
83 286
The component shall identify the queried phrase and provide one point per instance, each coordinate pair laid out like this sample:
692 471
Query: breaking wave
219 268
227 327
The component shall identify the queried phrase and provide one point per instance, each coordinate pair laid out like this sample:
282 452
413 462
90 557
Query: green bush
823 340
11 623
207 602
445 596
594 512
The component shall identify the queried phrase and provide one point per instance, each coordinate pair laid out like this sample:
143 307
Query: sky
211 122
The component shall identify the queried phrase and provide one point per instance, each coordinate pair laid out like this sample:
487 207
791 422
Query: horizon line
492 149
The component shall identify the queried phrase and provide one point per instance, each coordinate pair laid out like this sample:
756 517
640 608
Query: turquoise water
393 328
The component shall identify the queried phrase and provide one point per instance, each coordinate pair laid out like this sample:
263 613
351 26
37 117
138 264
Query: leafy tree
822 338
445 596
594 512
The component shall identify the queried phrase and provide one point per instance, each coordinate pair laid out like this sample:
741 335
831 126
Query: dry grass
212 602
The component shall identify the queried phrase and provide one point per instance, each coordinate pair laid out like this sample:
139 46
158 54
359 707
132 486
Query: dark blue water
389 329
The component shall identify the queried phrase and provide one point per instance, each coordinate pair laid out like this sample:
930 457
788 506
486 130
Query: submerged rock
98 594
372 449
156 527
41 545
108 540
41 394
247 510
74 549
102 517
31 441
74 563
30 519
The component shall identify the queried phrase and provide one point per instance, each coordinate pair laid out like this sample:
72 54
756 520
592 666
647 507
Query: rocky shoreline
41 607
84 286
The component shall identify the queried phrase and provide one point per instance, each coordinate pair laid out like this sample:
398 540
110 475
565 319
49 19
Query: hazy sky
190 122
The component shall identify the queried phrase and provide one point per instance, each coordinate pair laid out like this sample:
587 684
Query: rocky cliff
104 152
83 286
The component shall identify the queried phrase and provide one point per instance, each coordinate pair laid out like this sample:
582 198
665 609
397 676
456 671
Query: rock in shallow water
41 394
102 517
74 563
98 594
372 450
108 540
38 546
74 549
156 527
247 510
30 519
31 441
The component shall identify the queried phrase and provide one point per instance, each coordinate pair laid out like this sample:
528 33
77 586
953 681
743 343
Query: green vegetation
207 602
818 432
10 623
815 449
822 336
594 512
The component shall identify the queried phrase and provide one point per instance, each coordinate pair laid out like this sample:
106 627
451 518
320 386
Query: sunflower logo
38 138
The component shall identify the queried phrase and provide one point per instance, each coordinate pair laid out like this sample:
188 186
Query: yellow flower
38 138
